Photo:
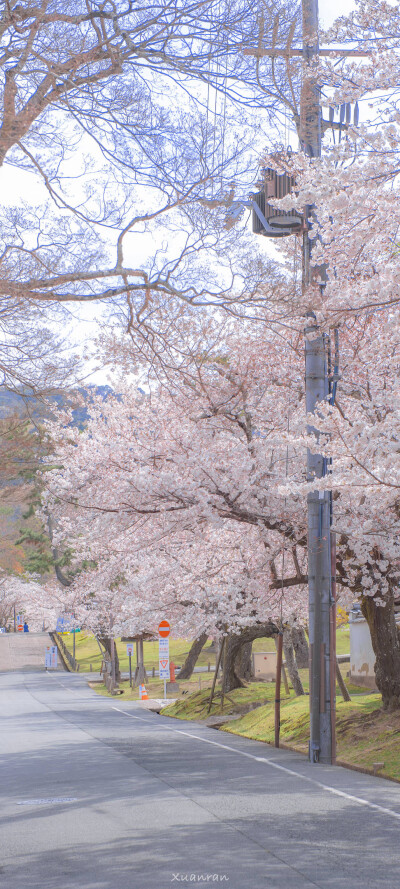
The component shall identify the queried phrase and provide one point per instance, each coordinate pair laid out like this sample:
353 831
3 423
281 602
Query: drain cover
47 802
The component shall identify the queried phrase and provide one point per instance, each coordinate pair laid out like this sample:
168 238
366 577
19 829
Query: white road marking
275 765
131 716
54 676
46 802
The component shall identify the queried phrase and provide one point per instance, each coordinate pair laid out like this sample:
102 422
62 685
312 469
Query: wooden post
341 683
224 665
113 680
221 648
278 689
284 676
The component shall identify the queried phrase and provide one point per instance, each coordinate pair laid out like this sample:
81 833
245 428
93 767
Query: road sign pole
163 652
130 671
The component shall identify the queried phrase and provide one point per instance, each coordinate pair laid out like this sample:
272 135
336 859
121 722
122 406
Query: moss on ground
365 733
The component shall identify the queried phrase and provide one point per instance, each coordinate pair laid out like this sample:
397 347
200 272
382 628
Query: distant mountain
23 401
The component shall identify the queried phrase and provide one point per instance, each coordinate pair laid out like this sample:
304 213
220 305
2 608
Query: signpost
164 630
129 651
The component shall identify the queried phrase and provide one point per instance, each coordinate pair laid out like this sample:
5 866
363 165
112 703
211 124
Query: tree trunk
230 678
300 645
290 659
186 671
243 663
386 646
106 643
234 643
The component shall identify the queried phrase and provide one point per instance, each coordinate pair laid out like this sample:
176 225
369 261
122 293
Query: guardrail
68 659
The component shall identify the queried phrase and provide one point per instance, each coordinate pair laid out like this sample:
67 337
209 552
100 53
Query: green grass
87 651
196 706
366 734
155 687
343 640
254 693
6 510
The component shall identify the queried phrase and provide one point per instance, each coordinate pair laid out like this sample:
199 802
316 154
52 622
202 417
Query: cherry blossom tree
197 530
203 487
160 487
114 167
26 596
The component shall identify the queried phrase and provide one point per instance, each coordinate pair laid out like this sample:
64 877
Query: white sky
329 10
17 186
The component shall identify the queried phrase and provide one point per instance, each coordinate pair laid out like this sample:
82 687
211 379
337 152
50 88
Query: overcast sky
16 188
329 10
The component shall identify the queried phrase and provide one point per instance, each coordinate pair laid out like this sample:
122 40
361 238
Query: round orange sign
164 629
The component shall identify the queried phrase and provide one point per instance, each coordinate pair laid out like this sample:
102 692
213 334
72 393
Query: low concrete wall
362 657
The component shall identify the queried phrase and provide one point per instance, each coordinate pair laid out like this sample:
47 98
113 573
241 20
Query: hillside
20 414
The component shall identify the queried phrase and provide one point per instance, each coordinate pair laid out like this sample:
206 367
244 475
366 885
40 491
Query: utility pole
318 382
319 504
320 373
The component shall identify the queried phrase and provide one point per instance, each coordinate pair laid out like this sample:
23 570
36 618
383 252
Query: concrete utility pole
321 548
321 627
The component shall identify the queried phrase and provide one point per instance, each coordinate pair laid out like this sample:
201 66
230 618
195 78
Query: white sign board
129 648
50 660
163 658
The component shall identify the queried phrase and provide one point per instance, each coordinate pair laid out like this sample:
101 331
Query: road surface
24 651
98 794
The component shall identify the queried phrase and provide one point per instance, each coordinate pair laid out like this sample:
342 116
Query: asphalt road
24 651
98 794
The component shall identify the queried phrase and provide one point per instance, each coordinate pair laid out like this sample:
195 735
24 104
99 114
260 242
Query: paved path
98 794
23 651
